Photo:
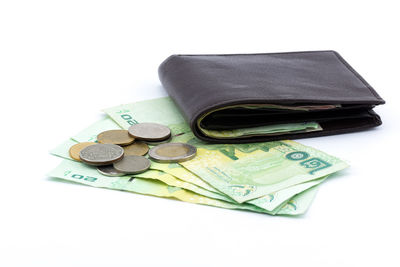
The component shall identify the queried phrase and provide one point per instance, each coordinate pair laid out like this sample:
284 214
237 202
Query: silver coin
172 152
109 170
101 154
149 131
132 164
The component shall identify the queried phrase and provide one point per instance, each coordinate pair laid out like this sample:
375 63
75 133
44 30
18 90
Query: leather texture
200 84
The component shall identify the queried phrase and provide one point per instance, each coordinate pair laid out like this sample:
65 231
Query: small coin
172 152
132 164
137 148
76 149
109 170
101 154
116 137
149 131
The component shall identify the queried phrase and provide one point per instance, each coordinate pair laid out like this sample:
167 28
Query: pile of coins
121 152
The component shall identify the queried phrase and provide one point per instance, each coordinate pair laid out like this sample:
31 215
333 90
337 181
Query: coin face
137 148
116 137
132 164
109 170
101 154
172 152
76 149
149 131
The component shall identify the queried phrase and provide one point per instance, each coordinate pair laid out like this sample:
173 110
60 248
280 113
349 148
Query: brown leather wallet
261 93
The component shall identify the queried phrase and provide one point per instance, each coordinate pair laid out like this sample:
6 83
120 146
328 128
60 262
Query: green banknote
90 133
248 171
62 151
161 110
269 201
80 173
263 130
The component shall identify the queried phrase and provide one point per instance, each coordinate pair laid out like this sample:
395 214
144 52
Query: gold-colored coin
137 148
173 152
115 137
76 149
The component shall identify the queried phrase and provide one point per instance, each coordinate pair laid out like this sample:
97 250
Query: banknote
62 151
268 201
89 134
279 198
263 130
80 173
176 170
248 171
161 110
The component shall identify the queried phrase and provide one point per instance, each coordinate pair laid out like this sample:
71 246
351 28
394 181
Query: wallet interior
344 116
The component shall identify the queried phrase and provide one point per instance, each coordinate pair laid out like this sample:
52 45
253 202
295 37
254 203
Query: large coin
172 152
76 149
116 137
132 164
101 154
149 131
137 148
109 170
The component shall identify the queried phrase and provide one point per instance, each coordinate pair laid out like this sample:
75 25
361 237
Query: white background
61 62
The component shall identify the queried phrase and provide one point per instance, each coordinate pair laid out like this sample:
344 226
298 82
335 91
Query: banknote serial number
84 177
126 117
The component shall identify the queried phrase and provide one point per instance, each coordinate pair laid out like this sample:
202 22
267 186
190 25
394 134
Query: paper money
249 171
263 130
160 110
90 133
80 173
178 176
154 174
281 195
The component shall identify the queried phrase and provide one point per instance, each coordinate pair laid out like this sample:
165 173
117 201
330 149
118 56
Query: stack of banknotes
276 178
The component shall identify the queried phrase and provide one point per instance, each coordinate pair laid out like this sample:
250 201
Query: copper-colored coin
137 148
115 137
76 149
